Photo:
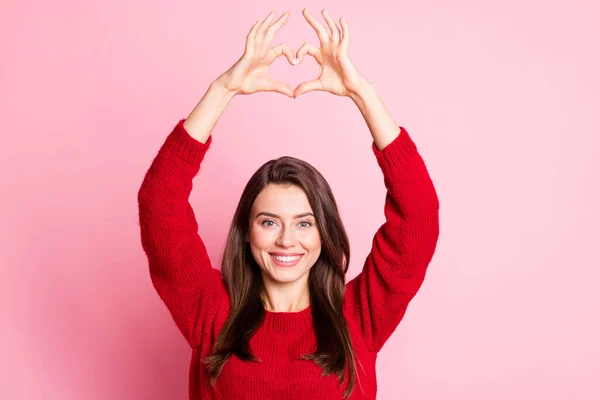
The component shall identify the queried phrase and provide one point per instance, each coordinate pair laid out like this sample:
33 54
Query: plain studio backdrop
501 98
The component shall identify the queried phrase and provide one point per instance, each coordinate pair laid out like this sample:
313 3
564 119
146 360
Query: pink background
499 98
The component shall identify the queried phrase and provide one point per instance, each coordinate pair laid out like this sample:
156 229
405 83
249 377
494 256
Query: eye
308 224
266 222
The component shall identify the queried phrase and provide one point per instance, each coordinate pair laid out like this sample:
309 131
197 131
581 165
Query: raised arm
180 268
179 264
402 248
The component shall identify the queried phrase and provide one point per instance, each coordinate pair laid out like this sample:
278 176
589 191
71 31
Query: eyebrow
268 214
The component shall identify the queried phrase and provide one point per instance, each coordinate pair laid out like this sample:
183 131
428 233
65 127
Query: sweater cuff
396 154
184 146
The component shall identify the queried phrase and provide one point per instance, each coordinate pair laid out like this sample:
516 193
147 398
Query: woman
281 323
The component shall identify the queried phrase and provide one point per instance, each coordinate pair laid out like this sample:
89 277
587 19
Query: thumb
309 86
280 87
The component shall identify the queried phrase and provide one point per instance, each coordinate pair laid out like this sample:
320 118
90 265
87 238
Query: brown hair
243 278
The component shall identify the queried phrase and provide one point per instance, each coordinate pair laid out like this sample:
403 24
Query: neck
280 303
285 296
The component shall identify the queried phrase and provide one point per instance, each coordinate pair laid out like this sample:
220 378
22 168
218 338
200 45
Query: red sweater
375 301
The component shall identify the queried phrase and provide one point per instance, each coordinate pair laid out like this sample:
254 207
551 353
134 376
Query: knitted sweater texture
194 292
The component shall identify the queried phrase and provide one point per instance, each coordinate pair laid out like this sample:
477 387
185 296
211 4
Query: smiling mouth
286 261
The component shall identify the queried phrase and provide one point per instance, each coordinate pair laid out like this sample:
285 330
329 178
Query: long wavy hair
243 277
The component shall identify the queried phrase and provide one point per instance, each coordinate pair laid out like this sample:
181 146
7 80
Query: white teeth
286 259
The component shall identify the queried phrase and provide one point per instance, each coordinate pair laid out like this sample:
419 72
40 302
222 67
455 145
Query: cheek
262 239
310 240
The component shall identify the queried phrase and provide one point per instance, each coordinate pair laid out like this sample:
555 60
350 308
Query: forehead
282 200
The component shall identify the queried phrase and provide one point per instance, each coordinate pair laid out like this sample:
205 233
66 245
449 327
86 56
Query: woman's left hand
338 74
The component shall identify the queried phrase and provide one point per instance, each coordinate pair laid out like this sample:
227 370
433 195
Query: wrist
220 85
363 92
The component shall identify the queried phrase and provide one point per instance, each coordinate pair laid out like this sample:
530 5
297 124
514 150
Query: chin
286 276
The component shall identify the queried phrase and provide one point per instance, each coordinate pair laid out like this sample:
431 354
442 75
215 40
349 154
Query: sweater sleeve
180 268
402 247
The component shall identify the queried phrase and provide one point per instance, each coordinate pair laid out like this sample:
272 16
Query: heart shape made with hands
338 75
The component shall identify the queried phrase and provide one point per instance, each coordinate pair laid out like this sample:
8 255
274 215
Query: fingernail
295 61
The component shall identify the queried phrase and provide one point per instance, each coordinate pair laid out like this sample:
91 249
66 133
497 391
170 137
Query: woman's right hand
250 73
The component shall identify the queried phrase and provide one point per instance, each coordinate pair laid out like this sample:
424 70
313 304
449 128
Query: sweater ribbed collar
288 321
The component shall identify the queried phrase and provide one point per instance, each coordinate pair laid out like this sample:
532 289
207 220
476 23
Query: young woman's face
282 224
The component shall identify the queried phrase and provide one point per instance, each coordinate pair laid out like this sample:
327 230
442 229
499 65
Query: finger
335 32
345 33
321 32
280 87
273 29
309 86
283 48
252 34
263 26
309 49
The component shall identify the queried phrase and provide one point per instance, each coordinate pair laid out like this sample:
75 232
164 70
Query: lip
285 264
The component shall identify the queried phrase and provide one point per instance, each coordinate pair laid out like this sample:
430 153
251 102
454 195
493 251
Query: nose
287 237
